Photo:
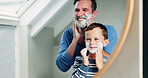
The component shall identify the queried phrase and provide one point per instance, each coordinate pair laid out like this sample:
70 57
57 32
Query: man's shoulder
68 32
108 26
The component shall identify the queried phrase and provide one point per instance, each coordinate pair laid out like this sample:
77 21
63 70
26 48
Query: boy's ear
85 41
106 42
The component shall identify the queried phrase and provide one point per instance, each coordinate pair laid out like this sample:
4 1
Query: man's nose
80 13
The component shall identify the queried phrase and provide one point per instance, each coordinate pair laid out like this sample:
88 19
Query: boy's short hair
101 26
93 4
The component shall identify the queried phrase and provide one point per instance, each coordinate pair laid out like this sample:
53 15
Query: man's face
94 40
83 13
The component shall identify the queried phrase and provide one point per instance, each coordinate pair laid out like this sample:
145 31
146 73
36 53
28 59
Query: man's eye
76 10
85 9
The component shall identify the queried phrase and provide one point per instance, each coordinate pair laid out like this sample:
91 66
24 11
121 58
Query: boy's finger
84 51
98 50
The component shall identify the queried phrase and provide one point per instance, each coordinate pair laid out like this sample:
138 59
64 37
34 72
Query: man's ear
106 42
94 14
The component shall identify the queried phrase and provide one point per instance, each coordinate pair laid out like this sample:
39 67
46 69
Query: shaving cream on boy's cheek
99 46
84 22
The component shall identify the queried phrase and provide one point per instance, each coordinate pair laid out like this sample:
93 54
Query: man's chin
81 26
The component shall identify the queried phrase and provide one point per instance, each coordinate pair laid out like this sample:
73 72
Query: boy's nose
92 42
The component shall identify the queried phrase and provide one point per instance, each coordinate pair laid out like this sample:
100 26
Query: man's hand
85 58
99 59
76 31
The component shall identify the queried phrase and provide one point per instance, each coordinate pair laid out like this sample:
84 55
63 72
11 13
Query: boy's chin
93 51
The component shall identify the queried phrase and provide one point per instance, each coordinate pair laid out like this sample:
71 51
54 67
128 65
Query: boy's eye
96 39
88 39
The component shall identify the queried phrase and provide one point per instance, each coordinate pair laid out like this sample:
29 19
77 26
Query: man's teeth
81 19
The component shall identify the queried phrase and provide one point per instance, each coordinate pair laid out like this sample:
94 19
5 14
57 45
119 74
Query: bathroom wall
40 54
7 51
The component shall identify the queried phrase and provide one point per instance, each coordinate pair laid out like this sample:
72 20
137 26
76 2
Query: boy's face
95 40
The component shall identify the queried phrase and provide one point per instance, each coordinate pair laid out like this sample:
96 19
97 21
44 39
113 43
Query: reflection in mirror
44 48
108 13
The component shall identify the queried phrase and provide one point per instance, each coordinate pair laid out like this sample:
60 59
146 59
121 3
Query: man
72 41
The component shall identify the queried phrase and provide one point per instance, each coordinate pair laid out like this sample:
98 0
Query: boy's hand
85 57
99 59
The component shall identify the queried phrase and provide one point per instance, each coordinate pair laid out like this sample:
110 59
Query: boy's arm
84 56
99 59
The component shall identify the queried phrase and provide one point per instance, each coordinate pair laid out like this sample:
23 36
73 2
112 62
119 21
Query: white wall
40 54
7 51
111 12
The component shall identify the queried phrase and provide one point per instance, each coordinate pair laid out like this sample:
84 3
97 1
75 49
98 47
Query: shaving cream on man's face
93 48
84 20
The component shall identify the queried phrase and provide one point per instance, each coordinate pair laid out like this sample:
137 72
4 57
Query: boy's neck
92 56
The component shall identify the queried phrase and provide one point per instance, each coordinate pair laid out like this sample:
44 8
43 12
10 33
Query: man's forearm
72 47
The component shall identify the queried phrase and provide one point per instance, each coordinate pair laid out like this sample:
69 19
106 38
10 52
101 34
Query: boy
96 37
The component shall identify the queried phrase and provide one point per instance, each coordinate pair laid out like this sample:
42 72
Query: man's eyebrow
85 8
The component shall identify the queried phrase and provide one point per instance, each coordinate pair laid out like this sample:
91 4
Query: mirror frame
123 37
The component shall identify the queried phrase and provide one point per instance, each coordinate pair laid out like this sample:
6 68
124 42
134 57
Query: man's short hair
101 26
93 4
